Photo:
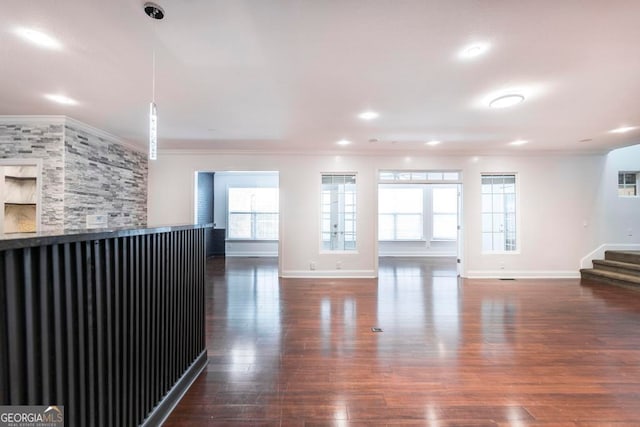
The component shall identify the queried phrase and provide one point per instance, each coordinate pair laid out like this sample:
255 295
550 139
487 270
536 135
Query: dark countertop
28 240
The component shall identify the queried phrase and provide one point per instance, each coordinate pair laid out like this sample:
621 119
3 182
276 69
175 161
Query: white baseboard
522 274
330 274
253 254
416 254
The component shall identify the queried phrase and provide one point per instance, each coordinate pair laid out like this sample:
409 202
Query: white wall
620 215
556 201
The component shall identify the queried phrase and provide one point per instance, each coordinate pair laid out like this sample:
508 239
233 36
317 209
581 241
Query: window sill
403 240
501 253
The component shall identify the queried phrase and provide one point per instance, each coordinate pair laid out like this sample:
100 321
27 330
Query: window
400 214
418 176
253 213
445 213
498 213
628 183
338 212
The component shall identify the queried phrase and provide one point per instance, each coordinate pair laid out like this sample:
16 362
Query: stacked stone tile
83 174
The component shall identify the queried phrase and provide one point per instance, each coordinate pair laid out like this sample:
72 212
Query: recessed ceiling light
473 50
368 115
623 129
505 101
343 142
61 99
432 142
38 38
518 142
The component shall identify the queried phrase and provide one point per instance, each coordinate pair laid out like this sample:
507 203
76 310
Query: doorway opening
244 209
419 222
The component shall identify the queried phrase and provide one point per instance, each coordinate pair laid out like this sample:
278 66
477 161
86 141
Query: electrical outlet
312 265
338 265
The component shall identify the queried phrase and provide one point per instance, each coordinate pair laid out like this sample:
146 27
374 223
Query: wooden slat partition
110 324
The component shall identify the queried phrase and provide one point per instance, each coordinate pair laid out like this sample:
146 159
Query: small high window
628 184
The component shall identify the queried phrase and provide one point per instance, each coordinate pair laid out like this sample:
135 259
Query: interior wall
37 140
620 215
557 204
102 177
84 171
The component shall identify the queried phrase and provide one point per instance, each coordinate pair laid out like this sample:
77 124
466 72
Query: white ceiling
292 75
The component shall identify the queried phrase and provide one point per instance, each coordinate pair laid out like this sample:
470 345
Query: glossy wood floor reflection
291 352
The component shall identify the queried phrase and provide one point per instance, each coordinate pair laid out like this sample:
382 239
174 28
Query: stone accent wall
82 173
103 177
40 141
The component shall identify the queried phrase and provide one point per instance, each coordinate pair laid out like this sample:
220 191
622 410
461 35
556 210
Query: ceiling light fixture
368 115
473 50
432 142
343 142
623 129
153 11
506 101
518 142
61 99
38 38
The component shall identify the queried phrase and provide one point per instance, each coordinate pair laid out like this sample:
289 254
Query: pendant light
154 12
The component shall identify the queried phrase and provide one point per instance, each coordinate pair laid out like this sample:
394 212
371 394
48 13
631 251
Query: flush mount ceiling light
61 99
38 38
506 101
368 115
153 10
473 50
623 129
432 143
343 142
518 142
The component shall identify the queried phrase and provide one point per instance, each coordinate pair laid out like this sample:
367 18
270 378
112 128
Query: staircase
617 268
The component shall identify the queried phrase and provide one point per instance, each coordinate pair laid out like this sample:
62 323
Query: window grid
338 200
418 176
253 213
445 213
628 184
400 213
499 213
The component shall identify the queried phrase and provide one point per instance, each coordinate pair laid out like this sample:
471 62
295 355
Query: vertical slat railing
105 327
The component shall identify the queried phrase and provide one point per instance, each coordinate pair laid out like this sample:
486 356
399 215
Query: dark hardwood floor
300 352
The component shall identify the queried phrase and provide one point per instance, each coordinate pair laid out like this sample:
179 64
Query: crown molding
78 125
